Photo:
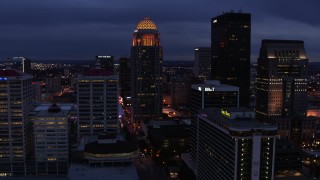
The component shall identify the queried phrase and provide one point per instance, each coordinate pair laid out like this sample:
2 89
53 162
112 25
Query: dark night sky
81 29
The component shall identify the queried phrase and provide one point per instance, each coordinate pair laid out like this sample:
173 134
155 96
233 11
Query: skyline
81 29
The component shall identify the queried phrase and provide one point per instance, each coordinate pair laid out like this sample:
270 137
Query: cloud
281 28
81 28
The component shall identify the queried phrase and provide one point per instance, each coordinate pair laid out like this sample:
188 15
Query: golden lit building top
146 34
146 23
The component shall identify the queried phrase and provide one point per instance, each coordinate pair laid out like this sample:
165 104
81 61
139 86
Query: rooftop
9 73
83 172
238 118
98 72
119 147
43 110
146 24
214 85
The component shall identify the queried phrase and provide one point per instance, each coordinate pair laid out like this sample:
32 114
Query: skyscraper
124 78
106 62
97 99
230 51
15 125
212 94
232 144
146 72
202 62
282 79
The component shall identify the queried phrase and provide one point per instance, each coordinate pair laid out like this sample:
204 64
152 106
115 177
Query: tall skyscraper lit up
282 79
230 48
146 72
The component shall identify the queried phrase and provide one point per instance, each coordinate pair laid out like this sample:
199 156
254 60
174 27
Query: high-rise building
281 79
97 99
202 62
53 84
15 125
106 62
124 78
230 51
232 144
51 138
213 94
21 63
180 90
146 72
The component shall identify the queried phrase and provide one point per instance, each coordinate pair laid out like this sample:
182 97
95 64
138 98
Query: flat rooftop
240 122
84 172
62 113
214 85
118 147
45 107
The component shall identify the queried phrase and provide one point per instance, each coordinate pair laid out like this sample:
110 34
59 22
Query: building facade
282 79
16 147
97 99
146 72
106 62
202 62
124 78
213 94
51 138
180 90
233 145
209 95
230 51
21 63
53 84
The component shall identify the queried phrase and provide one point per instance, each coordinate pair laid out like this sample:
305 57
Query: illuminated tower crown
146 34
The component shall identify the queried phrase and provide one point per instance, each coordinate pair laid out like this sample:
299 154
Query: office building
124 78
51 138
202 63
208 95
106 62
21 63
230 51
281 79
53 84
15 126
180 90
97 99
232 144
213 94
146 72
37 89
288 158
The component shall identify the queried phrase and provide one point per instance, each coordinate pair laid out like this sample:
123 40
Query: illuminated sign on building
206 89
225 112
3 78
209 89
